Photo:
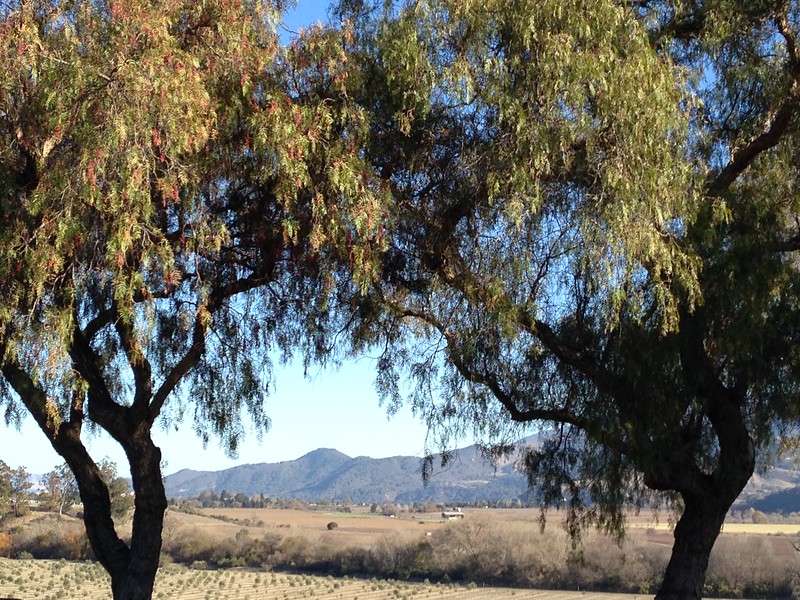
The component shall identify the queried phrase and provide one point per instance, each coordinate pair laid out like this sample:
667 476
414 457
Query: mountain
776 491
328 474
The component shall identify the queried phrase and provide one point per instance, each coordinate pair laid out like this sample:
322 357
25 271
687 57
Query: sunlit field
49 580
202 550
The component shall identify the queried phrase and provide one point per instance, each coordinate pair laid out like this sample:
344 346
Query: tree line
226 499
57 491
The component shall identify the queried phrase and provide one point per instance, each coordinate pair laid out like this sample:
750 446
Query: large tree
594 230
163 233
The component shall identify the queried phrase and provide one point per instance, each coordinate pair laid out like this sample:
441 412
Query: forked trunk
132 568
704 513
135 579
695 534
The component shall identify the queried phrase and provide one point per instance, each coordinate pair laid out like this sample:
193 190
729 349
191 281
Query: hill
328 474
775 491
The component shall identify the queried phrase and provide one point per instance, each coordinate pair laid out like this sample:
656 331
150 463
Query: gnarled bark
695 535
132 568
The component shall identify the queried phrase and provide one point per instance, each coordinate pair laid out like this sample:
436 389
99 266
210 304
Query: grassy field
744 554
51 580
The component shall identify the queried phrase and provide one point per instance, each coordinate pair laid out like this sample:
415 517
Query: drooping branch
507 399
32 396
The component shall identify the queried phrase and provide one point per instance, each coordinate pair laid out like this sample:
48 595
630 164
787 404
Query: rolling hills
329 474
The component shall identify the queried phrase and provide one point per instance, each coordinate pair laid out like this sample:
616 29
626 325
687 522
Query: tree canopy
581 215
173 180
595 231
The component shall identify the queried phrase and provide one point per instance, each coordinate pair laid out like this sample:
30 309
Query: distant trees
60 490
15 488
119 490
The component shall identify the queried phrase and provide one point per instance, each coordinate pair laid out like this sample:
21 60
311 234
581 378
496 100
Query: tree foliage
15 488
576 214
59 489
173 184
595 232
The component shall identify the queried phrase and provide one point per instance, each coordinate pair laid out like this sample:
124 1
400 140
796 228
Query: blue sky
332 409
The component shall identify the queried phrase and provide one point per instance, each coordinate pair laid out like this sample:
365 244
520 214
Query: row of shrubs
489 553
469 551
53 544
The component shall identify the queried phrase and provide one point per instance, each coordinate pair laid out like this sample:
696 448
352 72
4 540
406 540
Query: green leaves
567 110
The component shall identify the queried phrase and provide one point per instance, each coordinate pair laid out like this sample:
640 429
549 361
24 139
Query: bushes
53 544
498 553
245 550
472 550
50 536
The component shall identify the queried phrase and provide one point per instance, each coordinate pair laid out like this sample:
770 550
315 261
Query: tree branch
102 409
506 399
744 157
791 43
192 357
138 363
780 123
32 396
179 371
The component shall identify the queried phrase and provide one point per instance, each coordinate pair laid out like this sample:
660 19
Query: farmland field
49 580
746 556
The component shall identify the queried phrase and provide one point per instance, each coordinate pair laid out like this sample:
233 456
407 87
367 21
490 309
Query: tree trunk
132 569
705 509
695 534
136 580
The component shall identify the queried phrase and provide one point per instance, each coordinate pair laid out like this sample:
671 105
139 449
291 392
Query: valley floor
51 580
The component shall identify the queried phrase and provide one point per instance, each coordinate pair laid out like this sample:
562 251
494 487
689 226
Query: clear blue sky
333 409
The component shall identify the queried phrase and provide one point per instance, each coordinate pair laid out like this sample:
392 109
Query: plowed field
50 580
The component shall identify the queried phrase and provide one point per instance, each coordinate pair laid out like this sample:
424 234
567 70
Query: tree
20 496
172 185
594 230
119 489
5 488
60 489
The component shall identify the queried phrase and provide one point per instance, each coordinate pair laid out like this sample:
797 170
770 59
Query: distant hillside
785 502
777 490
329 474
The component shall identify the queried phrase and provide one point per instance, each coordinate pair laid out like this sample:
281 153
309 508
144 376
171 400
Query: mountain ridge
327 474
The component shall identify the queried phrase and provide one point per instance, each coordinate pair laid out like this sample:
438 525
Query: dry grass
357 528
488 545
732 528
